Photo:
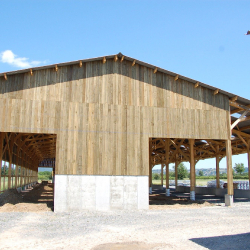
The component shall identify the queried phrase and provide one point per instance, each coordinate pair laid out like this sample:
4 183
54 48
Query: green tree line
182 172
45 175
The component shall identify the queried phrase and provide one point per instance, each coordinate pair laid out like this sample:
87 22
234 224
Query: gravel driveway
214 227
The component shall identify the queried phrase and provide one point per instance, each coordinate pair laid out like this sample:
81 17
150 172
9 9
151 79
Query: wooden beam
176 77
115 58
242 139
155 70
234 104
122 59
31 72
216 91
197 85
236 111
244 128
133 63
233 99
80 64
210 144
234 131
240 119
104 60
239 108
5 76
56 68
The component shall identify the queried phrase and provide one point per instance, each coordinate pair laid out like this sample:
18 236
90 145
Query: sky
203 40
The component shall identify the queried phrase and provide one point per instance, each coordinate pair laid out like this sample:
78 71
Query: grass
2 183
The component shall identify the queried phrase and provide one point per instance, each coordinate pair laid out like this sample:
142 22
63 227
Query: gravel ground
213 227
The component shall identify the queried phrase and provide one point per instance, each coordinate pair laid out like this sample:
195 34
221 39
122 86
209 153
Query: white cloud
9 57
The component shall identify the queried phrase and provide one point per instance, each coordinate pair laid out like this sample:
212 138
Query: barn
103 123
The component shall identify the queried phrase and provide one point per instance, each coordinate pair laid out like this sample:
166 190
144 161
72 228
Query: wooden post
217 167
176 173
230 190
10 162
150 177
162 166
150 164
167 162
192 165
1 158
248 157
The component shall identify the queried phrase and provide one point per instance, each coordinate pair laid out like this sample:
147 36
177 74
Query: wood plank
230 190
192 165
167 162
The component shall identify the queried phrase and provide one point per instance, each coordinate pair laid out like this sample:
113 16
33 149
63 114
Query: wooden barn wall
104 114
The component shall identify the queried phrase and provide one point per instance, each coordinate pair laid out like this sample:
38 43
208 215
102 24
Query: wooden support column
217 167
1 158
150 164
192 165
11 143
167 162
230 190
176 173
162 166
248 157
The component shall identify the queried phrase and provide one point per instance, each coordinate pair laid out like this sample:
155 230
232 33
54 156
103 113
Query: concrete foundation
167 192
192 195
229 200
90 192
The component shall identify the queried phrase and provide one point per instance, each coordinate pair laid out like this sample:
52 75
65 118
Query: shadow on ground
237 241
38 194
158 198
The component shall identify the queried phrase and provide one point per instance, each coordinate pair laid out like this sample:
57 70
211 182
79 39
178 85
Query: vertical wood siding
104 114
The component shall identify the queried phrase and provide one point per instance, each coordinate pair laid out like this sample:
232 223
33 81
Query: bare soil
40 199
36 199
159 201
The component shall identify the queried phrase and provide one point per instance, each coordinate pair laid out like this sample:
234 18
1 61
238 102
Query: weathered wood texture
104 113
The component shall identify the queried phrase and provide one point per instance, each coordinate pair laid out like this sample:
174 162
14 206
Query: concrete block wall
92 192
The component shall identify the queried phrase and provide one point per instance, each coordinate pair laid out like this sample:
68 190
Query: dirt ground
36 199
40 199
159 201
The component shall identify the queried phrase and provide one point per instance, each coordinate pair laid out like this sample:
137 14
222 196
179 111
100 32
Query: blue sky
203 40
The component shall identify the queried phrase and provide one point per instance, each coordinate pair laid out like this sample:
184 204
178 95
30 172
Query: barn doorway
174 152
21 155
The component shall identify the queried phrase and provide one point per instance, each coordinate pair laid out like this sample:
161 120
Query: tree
156 176
201 173
182 171
45 175
4 170
239 168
